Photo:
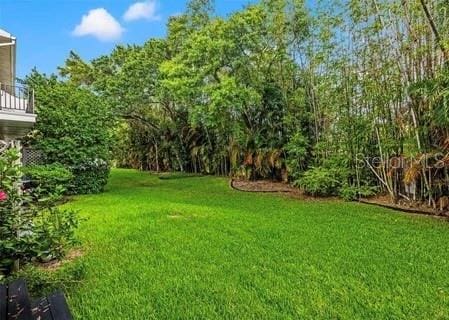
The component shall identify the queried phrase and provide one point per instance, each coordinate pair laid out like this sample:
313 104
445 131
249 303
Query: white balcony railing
16 98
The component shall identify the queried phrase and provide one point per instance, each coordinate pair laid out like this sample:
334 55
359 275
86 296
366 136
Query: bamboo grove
348 98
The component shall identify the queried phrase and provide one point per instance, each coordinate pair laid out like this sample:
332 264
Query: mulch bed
263 186
415 209
267 186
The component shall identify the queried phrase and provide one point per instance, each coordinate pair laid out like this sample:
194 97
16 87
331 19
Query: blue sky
47 30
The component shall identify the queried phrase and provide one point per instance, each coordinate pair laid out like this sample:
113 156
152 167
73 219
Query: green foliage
440 98
46 179
320 181
90 177
332 179
74 129
350 193
313 86
73 124
199 12
212 87
298 150
32 228
54 231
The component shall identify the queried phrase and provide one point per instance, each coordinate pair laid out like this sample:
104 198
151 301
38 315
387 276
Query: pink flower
3 196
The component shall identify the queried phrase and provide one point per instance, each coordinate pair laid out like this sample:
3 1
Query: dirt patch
56 264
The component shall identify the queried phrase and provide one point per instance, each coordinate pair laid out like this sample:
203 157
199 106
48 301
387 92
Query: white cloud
100 24
142 10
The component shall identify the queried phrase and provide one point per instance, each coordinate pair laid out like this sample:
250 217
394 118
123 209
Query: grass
192 248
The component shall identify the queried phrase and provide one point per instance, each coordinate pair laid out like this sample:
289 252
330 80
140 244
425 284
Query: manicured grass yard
193 248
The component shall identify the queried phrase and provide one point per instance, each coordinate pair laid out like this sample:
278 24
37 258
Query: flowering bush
30 229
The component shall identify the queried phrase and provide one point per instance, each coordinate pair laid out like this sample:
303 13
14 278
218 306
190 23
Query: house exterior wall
7 58
15 125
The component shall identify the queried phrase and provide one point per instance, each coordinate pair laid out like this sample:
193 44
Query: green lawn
193 248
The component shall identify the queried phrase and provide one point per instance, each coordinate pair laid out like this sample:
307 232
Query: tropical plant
280 89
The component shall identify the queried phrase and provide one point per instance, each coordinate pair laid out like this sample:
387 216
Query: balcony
17 115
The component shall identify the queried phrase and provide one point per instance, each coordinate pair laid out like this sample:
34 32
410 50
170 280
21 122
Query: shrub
54 231
74 126
90 177
46 179
325 181
349 193
30 229
320 181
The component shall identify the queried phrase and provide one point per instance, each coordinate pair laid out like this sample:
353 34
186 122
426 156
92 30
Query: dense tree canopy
330 97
